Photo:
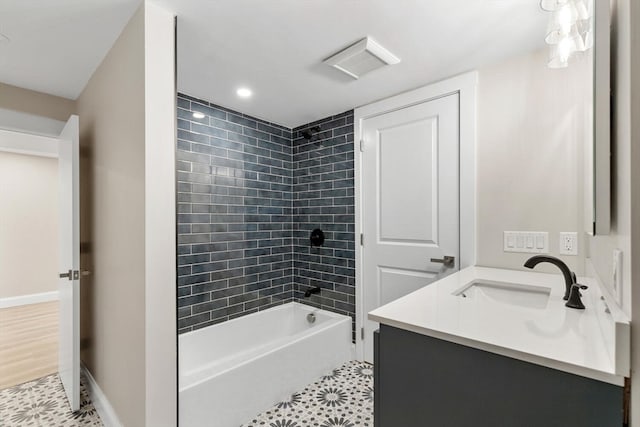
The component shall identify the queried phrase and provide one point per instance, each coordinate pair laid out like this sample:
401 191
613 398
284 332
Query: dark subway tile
242 120
183 102
193 136
209 267
209 286
201 107
192 300
193 259
208 130
244 186
193 279
256 134
193 320
207 306
269 129
226 293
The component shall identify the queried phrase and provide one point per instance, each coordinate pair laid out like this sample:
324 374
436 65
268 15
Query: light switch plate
530 242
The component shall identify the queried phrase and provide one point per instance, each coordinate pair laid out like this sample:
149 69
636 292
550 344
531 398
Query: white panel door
410 202
69 262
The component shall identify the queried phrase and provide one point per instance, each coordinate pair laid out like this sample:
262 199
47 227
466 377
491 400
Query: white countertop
593 342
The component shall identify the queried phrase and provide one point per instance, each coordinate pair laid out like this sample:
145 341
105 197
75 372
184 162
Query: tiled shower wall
323 197
235 178
240 181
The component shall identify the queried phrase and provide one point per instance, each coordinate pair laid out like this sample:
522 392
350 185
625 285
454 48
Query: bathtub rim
274 308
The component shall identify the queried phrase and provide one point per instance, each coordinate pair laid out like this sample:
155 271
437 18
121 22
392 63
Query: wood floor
28 343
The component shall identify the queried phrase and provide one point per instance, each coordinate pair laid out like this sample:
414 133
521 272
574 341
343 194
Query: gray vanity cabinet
422 381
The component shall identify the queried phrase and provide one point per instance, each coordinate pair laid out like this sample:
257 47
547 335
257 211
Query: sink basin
515 294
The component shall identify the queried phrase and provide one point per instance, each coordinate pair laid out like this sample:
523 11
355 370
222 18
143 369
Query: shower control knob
317 237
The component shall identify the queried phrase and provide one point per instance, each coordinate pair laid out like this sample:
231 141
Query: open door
69 262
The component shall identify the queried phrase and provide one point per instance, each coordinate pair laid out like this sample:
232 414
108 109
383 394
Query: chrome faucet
572 288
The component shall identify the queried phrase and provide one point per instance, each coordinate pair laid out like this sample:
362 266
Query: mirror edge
602 119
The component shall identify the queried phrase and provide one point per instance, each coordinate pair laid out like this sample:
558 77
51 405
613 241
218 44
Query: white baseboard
28 299
100 402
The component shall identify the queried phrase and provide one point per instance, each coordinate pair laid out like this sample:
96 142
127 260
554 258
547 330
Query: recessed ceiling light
198 115
244 92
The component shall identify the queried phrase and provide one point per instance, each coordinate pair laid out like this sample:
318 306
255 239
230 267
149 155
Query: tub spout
314 290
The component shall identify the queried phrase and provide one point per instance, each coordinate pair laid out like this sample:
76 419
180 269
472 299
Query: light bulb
566 16
244 92
565 49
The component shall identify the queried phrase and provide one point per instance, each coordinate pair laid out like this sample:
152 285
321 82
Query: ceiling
55 46
275 47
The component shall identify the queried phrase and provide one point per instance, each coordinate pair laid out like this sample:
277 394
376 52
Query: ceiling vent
362 57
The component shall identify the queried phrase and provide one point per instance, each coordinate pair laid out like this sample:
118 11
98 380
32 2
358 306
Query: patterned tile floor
343 398
42 403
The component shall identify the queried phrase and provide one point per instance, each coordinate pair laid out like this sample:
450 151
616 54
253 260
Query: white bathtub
235 370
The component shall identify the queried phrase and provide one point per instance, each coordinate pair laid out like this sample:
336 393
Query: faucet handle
574 297
583 287
575 283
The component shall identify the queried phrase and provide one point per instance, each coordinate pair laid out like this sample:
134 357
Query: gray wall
249 194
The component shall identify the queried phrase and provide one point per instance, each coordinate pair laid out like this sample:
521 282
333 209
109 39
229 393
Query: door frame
465 85
19 142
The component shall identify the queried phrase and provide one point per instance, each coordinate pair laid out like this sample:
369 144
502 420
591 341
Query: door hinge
361 333
361 239
361 145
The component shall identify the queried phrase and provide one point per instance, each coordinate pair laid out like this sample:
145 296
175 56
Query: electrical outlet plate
529 242
568 243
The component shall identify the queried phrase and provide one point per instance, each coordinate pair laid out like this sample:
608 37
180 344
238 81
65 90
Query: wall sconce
570 29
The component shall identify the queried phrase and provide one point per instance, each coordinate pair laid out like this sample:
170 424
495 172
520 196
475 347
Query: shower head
309 133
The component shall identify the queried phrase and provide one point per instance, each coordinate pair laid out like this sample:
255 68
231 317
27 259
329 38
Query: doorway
415 197
28 267
40 238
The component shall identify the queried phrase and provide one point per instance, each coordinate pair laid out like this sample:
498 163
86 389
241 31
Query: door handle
447 261
74 274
